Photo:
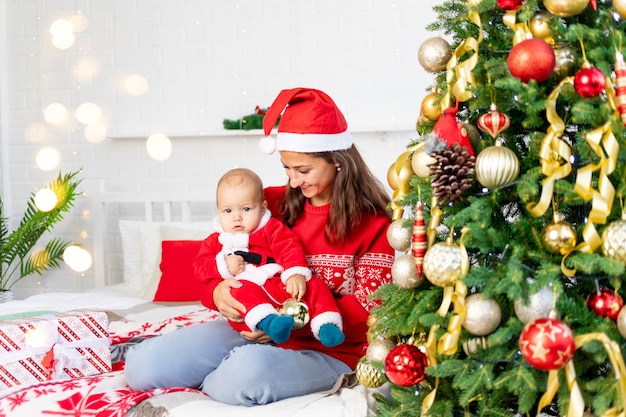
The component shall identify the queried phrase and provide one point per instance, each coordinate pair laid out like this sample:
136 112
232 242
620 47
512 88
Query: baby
269 261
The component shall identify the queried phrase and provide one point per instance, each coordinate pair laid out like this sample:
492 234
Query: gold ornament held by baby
298 310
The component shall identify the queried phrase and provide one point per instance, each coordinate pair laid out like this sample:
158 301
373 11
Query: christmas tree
509 218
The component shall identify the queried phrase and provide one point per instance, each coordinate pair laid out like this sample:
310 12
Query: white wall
204 61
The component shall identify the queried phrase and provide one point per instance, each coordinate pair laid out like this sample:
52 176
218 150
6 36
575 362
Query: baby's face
240 208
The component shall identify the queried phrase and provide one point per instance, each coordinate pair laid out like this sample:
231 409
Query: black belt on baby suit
255 258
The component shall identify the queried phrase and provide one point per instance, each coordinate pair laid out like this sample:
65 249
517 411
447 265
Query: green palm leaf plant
18 259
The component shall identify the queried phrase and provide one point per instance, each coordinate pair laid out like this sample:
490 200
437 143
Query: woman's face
313 175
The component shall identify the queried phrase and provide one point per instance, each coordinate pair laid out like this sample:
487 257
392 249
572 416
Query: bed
145 288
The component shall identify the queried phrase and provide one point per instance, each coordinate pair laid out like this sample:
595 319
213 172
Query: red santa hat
311 122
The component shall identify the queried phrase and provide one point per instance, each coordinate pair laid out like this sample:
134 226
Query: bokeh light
88 113
79 23
55 113
95 132
77 258
61 27
136 85
47 158
87 69
63 41
45 200
159 146
36 132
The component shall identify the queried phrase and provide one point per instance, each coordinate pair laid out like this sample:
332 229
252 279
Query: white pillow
141 246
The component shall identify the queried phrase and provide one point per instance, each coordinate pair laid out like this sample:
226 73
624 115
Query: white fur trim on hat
268 145
313 142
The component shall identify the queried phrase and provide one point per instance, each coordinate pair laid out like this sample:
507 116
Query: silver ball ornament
483 315
434 54
399 237
404 273
540 304
379 349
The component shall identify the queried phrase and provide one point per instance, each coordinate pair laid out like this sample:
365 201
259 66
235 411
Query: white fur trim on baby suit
259 274
325 318
302 270
222 267
258 313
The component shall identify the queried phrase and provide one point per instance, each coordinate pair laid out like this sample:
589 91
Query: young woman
339 211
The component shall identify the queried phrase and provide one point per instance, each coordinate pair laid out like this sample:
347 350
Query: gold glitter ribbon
402 170
576 404
454 294
459 75
554 153
431 354
602 142
520 30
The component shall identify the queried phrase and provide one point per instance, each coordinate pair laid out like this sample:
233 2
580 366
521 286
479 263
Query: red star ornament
547 344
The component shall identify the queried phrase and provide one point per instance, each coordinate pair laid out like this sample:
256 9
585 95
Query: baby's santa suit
263 290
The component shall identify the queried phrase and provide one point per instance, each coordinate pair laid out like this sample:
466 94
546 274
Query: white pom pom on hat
311 122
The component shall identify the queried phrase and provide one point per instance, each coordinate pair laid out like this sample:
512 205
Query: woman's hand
226 304
258 337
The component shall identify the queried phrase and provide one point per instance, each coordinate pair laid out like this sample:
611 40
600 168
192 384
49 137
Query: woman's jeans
230 369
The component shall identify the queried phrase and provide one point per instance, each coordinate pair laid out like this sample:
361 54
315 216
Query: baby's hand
296 286
235 264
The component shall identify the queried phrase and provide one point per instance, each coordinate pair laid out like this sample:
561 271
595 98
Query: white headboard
110 208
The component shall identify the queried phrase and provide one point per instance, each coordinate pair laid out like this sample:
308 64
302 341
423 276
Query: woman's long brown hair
355 191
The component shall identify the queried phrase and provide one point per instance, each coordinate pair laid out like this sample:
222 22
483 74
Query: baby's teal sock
330 335
277 327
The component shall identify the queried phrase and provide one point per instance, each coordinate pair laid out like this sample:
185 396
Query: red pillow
178 281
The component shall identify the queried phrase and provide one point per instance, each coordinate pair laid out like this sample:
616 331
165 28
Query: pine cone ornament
452 173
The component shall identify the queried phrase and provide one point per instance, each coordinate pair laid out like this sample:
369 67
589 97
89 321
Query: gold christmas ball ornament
298 310
404 273
367 375
399 237
539 26
614 240
483 315
434 54
443 263
620 7
392 177
621 322
431 108
496 166
565 8
420 164
379 348
559 237
565 59
540 304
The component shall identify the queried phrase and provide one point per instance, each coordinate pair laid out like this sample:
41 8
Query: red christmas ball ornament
451 132
531 59
509 4
589 82
547 344
406 365
606 303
